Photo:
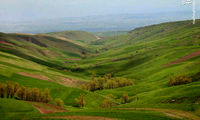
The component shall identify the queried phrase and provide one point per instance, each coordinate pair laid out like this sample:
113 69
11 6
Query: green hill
79 36
63 61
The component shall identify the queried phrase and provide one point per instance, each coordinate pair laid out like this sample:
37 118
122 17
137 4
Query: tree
16 87
93 86
21 93
47 97
125 98
9 89
59 102
2 90
101 82
28 94
106 104
80 102
111 84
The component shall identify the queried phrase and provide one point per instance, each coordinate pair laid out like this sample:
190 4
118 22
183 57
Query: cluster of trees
108 103
179 80
106 82
11 90
14 90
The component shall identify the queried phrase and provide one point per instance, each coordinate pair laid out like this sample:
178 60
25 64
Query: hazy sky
43 9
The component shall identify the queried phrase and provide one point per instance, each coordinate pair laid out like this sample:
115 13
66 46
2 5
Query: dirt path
47 109
170 112
194 54
35 76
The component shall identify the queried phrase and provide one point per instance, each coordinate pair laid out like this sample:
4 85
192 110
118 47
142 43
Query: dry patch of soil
6 43
48 108
194 54
35 76
69 82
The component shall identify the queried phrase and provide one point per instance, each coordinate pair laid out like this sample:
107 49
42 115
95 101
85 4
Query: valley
149 73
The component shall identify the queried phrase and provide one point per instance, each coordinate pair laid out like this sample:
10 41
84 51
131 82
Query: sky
25 10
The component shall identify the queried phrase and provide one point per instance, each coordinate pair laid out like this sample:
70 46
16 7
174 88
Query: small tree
80 102
2 90
21 93
9 89
47 97
16 87
111 84
101 82
125 98
59 102
93 86
106 104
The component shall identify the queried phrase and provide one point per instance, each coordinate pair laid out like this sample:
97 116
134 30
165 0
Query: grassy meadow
65 61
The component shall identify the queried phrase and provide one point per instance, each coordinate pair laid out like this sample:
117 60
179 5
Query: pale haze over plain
22 10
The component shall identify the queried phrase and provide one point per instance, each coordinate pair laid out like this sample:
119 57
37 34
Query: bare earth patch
194 54
35 76
77 118
69 82
6 43
45 108
170 112
74 59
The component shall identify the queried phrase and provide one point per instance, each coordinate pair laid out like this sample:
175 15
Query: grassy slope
110 33
139 55
145 52
79 36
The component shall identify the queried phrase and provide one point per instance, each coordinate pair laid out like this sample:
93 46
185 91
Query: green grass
139 55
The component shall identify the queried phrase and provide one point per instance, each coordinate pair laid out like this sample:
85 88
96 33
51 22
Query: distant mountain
122 22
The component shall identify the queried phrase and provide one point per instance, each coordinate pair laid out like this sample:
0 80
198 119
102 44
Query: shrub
106 104
59 102
125 98
179 80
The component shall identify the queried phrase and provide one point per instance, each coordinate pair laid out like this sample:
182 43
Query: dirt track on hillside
35 76
194 54
52 108
6 43
170 112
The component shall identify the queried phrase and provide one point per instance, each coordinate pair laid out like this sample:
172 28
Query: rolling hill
63 61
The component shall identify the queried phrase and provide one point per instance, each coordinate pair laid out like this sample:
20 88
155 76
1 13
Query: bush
125 98
179 80
106 104
59 102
